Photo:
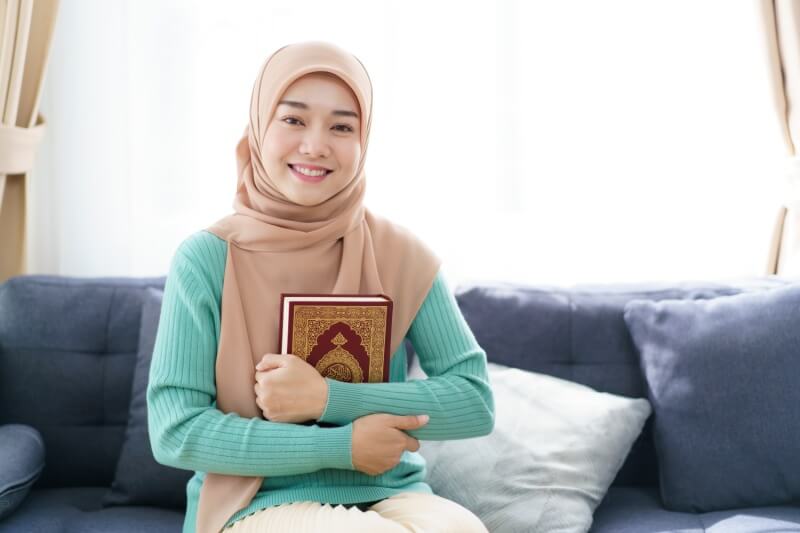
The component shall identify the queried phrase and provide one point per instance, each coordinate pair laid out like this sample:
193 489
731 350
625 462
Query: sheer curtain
543 142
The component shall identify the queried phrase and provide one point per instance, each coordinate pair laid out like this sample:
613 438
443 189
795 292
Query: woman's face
316 124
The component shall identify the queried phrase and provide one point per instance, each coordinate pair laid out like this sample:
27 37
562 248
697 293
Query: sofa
68 354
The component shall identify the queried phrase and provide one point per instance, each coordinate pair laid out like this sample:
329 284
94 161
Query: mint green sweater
302 462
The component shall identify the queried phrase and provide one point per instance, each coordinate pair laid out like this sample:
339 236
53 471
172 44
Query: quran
346 337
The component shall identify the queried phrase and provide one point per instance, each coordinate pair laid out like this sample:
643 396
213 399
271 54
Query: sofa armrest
21 464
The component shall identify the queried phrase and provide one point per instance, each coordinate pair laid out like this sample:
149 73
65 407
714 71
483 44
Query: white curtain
545 142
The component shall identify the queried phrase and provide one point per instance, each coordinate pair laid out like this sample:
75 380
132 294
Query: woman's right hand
379 441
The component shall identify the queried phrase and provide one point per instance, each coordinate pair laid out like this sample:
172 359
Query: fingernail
423 418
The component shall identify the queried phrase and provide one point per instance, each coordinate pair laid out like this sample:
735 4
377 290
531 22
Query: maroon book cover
346 337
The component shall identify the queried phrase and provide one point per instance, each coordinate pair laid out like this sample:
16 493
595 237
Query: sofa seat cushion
639 510
80 509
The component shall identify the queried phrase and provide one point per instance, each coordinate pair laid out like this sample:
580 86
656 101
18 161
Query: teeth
308 172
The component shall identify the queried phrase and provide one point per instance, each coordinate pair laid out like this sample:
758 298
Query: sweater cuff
344 402
334 447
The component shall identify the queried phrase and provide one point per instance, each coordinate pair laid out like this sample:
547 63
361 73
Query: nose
315 143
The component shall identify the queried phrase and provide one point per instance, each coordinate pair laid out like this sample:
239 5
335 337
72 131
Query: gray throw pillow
554 451
722 377
22 461
139 479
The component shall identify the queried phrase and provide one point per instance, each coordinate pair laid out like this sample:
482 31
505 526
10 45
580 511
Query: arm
185 430
457 395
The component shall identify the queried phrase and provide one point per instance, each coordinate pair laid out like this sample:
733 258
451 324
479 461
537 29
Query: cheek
354 154
277 147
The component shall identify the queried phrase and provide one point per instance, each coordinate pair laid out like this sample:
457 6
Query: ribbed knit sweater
302 462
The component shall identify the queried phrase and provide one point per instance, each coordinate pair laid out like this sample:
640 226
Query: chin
308 201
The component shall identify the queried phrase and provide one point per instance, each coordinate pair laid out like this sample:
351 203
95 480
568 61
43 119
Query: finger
261 375
409 421
271 360
412 444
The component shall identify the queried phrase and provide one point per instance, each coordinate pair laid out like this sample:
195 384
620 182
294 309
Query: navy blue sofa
68 350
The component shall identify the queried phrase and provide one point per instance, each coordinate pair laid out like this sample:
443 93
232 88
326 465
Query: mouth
312 178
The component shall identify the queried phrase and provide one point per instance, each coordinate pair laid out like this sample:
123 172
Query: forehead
322 90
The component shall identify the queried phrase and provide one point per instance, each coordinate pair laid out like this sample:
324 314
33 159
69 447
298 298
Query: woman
224 403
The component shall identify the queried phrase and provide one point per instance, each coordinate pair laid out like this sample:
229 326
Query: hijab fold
275 245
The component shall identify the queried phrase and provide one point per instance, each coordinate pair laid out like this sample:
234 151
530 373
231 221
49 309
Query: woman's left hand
288 389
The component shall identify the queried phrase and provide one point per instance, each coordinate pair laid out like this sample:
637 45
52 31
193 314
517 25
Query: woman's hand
379 440
288 389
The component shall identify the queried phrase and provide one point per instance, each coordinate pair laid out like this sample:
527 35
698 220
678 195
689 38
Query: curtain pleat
781 29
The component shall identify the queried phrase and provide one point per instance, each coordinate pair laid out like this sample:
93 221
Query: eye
348 128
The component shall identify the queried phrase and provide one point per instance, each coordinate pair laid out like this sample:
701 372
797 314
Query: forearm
460 403
186 430
207 440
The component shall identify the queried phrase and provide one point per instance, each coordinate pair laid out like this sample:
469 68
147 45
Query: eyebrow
301 105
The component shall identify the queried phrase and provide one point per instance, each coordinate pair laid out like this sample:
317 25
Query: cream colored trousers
402 513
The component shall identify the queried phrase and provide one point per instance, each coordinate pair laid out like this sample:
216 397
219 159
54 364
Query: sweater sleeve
457 394
185 430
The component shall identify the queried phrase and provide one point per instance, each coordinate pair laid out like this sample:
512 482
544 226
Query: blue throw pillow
722 378
139 479
21 464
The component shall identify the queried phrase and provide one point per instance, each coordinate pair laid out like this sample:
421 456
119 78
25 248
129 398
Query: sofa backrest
67 355
578 333
68 352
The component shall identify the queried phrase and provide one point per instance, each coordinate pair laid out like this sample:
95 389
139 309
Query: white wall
534 141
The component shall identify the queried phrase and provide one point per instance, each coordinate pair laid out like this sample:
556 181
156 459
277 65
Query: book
346 337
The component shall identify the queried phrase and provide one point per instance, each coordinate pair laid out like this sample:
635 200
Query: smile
311 176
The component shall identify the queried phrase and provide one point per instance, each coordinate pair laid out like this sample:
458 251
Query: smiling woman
300 226
312 146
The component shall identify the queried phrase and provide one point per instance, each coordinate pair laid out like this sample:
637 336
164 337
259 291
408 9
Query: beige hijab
275 245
